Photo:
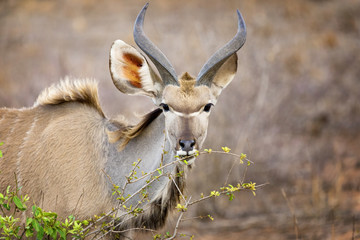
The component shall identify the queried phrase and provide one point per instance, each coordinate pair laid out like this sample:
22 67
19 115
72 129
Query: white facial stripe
189 160
184 153
188 115
180 114
181 153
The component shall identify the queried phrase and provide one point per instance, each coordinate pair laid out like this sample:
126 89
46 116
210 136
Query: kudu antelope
64 151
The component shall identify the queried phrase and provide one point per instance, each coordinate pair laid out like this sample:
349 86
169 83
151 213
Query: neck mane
146 141
125 133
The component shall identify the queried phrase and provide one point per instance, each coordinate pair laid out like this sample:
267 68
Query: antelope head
186 101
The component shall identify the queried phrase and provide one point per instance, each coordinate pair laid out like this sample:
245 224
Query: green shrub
44 224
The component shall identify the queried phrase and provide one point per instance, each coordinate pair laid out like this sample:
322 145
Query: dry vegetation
294 106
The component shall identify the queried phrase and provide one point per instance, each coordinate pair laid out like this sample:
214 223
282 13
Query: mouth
186 158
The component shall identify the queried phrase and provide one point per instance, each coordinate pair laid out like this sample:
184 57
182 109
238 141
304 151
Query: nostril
187 145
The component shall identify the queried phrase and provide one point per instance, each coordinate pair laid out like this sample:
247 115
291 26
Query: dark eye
208 107
165 107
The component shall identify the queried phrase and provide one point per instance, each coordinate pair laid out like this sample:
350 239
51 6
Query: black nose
187 145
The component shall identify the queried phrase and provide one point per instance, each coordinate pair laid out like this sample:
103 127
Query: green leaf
231 197
36 225
61 233
29 233
6 206
28 221
50 214
53 234
40 233
208 150
19 204
159 171
49 231
226 149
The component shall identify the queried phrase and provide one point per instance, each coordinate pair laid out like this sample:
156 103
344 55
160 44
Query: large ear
131 73
224 75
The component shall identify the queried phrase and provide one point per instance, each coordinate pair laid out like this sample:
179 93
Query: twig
178 221
131 174
77 203
296 227
193 218
117 208
132 229
353 230
227 177
222 193
150 174
162 167
228 153
16 191
177 187
245 172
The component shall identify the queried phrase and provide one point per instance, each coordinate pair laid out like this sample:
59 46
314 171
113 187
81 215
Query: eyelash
208 107
165 107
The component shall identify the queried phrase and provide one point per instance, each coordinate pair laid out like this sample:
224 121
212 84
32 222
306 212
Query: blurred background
293 107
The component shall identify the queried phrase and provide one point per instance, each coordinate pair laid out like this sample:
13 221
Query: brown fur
44 170
126 133
31 138
187 83
58 148
131 69
187 98
31 142
71 91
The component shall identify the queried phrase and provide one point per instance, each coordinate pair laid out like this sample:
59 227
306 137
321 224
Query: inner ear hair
130 71
226 72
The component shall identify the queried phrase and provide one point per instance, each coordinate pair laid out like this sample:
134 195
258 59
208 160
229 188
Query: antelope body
67 155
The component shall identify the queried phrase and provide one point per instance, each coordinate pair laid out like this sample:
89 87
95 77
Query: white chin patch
187 156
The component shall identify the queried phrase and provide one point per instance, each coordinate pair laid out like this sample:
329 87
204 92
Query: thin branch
223 193
177 187
132 229
162 167
194 218
78 201
296 226
178 221
117 208
228 153
227 177
131 174
150 174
